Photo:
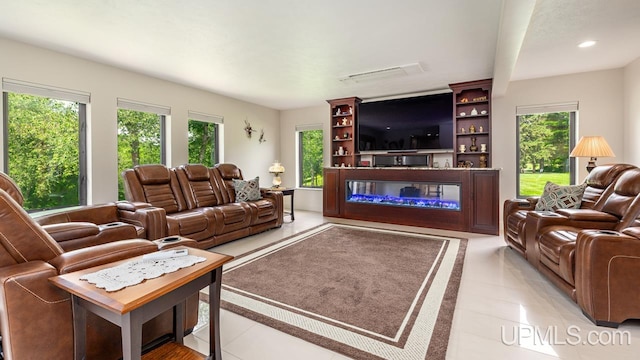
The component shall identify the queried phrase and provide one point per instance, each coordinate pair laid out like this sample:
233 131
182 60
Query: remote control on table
159 255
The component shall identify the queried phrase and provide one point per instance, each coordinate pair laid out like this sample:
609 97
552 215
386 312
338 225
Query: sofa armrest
513 205
71 230
278 200
101 254
589 215
32 308
152 219
607 285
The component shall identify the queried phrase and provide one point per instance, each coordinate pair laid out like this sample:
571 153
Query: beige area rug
363 292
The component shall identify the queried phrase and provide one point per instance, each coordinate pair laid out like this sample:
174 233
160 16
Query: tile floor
505 310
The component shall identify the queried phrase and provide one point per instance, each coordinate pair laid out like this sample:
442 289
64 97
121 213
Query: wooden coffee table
132 306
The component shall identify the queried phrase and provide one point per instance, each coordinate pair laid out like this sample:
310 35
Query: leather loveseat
552 240
35 316
200 203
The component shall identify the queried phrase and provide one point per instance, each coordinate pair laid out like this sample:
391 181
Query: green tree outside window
43 150
311 153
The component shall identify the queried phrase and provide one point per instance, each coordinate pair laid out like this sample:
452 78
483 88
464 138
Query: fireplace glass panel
430 195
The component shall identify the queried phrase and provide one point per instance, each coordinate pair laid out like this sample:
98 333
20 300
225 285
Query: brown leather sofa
551 240
599 183
200 203
35 316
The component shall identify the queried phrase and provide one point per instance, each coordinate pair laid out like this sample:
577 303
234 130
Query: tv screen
417 123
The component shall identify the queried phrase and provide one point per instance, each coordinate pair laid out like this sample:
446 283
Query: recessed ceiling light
587 43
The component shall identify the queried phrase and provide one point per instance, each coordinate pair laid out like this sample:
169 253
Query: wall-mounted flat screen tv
410 124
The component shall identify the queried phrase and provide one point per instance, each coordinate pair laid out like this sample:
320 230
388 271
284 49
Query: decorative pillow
247 190
555 197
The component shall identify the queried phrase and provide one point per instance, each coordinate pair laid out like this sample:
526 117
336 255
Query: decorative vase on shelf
483 161
473 146
474 111
483 147
472 128
462 148
340 150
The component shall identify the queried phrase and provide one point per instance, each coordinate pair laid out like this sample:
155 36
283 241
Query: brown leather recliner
36 316
599 184
88 225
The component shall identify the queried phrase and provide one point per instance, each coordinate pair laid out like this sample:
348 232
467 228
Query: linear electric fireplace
411 194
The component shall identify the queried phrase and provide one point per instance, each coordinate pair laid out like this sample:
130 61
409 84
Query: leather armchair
35 315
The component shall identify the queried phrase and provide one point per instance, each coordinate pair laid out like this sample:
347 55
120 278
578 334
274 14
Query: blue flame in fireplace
434 203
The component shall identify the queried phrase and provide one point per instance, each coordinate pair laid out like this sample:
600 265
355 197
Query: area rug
363 292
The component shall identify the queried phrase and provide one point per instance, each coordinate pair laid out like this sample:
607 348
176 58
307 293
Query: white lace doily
135 272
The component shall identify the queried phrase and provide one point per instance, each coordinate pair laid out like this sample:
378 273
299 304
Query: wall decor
261 139
247 128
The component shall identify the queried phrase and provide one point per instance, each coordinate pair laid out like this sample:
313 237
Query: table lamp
592 147
276 169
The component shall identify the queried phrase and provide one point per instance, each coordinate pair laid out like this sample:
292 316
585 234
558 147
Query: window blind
308 127
144 107
194 115
547 108
23 87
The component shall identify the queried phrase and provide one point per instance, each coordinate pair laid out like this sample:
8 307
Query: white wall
632 112
305 199
600 102
106 84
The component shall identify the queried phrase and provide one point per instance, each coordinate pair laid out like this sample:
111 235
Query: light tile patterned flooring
505 310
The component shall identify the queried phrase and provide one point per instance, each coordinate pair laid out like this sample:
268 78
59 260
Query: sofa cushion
560 197
247 190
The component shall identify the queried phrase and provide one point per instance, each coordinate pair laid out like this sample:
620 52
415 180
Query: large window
545 140
140 137
45 152
204 139
310 156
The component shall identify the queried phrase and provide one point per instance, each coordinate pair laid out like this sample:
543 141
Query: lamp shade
276 168
592 146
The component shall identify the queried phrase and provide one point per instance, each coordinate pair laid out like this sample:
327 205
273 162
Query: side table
289 192
132 306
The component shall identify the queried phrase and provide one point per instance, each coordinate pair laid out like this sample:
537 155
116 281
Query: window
45 147
203 138
545 139
310 156
140 137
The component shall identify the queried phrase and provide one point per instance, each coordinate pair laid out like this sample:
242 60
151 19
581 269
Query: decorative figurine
483 147
344 121
463 148
462 130
473 146
472 128
483 161
446 164
474 111
480 129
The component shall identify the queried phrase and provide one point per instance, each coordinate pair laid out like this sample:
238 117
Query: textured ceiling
290 54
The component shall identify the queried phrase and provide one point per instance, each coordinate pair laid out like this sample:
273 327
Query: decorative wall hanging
247 128
261 139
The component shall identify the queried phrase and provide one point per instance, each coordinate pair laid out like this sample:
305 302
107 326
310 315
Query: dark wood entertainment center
462 198
478 197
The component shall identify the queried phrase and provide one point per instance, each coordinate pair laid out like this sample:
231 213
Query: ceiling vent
392 72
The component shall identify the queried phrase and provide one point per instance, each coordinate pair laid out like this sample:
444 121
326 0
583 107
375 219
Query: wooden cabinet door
485 195
330 193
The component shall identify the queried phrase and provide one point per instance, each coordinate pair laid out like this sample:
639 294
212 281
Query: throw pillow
556 197
247 190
